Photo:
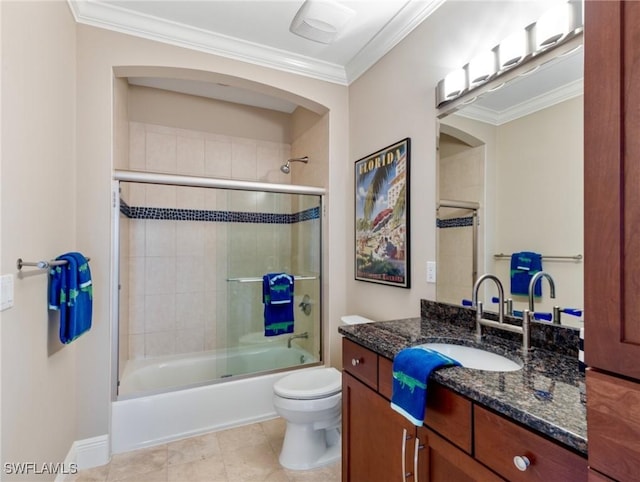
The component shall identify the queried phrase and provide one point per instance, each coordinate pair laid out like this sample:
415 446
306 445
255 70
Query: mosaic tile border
175 214
454 222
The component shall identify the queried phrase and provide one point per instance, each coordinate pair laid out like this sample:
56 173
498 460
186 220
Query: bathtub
153 409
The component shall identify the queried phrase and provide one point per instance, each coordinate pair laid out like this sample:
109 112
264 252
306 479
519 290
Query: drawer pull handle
521 462
405 437
356 361
417 447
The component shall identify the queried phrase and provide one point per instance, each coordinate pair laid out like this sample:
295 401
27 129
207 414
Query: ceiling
257 31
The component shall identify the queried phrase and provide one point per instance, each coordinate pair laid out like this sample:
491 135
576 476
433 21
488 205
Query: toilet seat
309 385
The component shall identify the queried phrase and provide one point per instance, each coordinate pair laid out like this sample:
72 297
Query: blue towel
71 292
411 370
277 296
524 266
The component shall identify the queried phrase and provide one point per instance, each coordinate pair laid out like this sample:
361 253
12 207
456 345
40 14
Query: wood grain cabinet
612 243
459 442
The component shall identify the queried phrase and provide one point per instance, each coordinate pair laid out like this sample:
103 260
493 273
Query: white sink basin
475 358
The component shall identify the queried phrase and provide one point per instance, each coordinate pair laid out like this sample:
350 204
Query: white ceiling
257 31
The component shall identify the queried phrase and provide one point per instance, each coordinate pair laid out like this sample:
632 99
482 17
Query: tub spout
293 337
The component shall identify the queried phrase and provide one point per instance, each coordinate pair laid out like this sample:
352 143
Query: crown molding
405 21
496 118
114 18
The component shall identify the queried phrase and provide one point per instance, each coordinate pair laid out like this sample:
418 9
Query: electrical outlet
6 292
431 271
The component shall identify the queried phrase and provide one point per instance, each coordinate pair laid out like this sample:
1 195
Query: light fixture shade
482 67
321 20
455 83
552 26
512 49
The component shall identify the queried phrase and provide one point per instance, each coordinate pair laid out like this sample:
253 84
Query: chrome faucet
532 285
478 304
293 337
480 321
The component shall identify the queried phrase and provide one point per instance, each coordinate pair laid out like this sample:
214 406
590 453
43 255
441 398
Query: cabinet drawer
361 362
498 441
449 414
385 377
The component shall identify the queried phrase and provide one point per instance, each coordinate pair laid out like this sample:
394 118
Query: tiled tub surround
544 396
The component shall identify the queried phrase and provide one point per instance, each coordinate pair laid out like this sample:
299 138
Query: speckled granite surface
545 395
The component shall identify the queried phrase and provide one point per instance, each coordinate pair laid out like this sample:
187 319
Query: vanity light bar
557 26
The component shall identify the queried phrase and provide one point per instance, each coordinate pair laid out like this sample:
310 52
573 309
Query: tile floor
244 454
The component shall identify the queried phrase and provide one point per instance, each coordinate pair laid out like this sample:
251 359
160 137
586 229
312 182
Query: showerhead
286 168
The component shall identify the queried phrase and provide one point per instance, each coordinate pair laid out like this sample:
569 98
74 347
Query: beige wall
539 197
38 213
172 109
395 99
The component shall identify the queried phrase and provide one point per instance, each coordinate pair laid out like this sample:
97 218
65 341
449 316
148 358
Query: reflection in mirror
517 152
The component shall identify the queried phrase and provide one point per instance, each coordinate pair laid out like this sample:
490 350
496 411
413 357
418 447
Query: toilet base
305 448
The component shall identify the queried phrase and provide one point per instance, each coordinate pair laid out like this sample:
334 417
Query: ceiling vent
321 20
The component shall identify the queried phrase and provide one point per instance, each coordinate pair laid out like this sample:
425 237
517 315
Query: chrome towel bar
577 257
41 264
256 280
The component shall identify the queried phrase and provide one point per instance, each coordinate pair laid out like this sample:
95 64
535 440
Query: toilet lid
310 384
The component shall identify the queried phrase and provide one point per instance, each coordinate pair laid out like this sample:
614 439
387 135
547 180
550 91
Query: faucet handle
508 303
542 316
571 311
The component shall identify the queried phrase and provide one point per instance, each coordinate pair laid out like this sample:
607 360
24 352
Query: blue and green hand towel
411 370
277 296
71 293
524 265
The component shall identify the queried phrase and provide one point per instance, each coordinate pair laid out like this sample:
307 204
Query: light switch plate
431 271
6 292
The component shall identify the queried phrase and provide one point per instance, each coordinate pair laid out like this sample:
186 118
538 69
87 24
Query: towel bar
576 257
256 280
40 264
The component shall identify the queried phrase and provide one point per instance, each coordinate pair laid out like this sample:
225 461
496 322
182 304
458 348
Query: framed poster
382 216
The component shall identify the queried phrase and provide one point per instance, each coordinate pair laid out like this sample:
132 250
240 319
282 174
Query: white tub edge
147 421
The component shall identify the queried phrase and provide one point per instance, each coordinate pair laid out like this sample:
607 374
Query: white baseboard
85 454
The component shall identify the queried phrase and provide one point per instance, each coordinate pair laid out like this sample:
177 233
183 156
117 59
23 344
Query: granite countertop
546 395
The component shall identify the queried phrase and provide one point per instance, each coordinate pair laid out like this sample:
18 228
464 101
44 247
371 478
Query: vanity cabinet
459 442
612 244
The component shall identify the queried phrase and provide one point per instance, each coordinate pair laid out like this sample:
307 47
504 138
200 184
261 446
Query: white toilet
311 403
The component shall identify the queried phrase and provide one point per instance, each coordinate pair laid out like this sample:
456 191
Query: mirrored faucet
478 304
532 285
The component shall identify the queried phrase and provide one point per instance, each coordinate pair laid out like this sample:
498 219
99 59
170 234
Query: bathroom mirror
515 154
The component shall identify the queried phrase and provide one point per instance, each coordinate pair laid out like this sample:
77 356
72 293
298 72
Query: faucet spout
293 337
476 289
532 285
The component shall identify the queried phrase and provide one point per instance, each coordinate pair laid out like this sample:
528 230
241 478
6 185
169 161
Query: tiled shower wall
178 269
461 177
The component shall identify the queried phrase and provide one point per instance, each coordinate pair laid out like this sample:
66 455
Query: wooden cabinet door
372 436
614 426
612 185
441 461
